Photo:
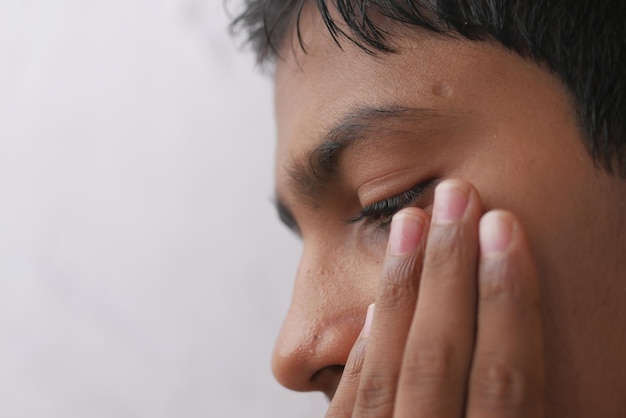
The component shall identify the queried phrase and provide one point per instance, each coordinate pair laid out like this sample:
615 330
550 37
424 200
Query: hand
456 330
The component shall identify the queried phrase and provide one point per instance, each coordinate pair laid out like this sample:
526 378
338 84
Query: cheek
552 190
368 243
363 251
342 268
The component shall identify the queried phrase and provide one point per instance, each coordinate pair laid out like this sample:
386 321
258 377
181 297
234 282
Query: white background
143 272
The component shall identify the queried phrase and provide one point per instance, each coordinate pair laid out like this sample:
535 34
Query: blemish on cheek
442 90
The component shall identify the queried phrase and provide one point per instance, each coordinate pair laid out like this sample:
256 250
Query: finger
395 304
439 347
344 399
507 373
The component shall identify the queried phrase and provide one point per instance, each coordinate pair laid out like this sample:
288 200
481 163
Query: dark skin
430 370
501 298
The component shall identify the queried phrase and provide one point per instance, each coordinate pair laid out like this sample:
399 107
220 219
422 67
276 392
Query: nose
325 317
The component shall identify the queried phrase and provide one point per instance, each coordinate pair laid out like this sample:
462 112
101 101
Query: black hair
583 42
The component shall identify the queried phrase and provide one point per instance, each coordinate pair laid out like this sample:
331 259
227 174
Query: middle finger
439 347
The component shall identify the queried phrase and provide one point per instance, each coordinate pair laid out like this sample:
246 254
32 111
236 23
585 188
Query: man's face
440 108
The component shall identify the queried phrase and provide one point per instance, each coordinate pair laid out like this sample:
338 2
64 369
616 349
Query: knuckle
350 376
431 367
445 245
495 282
375 398
399 283
498 384
352 371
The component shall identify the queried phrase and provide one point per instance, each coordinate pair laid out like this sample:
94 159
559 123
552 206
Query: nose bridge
325 316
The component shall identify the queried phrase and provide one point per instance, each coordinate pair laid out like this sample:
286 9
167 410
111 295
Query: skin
514 305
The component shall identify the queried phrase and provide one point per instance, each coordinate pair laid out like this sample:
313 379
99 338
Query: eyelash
382 211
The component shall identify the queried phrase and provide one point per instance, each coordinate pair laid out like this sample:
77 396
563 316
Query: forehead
316 88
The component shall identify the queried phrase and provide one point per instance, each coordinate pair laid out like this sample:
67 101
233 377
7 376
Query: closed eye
383 210
286 216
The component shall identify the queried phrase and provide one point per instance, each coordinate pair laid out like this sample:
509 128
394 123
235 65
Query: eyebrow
310 176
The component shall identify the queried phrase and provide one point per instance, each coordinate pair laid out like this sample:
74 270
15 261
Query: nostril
322 373
327 379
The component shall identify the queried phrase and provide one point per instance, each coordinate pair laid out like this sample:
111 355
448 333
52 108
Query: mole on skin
442 90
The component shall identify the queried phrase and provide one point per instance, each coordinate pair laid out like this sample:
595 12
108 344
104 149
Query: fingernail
367 327
450 202
496 231
406 233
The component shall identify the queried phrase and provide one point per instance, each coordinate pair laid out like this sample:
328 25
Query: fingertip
496 232
506 251
407 229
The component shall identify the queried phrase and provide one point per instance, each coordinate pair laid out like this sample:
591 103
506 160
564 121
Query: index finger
395 304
